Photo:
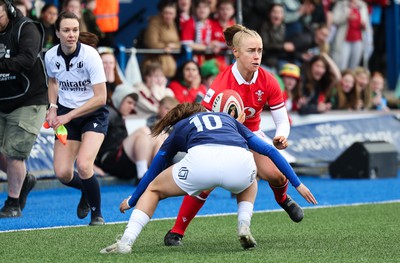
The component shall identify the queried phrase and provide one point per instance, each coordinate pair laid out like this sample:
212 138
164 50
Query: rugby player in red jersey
258 88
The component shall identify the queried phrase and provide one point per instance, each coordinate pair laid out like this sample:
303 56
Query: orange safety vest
106 12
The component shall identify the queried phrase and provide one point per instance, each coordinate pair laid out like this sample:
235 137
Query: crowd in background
326 54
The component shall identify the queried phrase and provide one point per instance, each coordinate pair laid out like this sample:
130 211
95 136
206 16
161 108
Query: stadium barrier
315 140
321 138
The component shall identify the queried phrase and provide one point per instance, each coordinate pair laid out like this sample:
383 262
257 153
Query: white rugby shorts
208 166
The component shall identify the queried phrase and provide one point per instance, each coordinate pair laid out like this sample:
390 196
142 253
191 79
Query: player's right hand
124 205
306 193
280 142
242 117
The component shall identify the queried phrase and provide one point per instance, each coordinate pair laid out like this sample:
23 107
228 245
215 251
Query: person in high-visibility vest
107 19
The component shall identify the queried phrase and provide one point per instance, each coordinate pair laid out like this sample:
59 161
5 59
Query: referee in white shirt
77 97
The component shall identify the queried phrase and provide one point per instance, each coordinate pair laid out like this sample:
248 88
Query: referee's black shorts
96 121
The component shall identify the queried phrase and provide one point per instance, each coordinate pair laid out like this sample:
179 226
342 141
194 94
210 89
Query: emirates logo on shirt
74 85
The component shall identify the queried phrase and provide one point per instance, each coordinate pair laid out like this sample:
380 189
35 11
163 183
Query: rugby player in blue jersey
218 155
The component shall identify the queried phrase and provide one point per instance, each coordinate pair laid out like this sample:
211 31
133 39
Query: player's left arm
158 164
281 120
278 112
257 144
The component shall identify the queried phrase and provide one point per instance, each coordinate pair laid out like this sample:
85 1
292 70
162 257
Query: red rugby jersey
263 89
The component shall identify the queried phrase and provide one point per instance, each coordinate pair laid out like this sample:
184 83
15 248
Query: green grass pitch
364 233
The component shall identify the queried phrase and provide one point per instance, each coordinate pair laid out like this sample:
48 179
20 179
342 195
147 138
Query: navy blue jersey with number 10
210 128
205 128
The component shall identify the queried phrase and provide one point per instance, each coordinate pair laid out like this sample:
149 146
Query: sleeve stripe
277 107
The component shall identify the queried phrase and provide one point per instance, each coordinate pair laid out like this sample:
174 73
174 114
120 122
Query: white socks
137 222
245 212
141 168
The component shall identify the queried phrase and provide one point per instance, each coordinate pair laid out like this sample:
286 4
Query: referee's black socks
91 188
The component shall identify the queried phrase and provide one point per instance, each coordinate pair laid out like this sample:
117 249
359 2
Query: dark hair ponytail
179 112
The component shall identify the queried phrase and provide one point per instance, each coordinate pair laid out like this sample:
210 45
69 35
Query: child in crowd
345 96
290 74
224 19
196 33
379 102
166 104
125 156
363 87
153 89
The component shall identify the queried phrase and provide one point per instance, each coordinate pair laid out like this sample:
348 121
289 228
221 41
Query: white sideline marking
211 215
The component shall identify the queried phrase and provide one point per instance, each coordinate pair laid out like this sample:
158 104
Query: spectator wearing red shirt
224 19
186 85
184 12
352 21
196 33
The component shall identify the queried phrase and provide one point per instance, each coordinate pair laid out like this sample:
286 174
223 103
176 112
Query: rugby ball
228 101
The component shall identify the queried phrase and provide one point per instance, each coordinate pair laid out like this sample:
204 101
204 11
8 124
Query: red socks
280 192
190 206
